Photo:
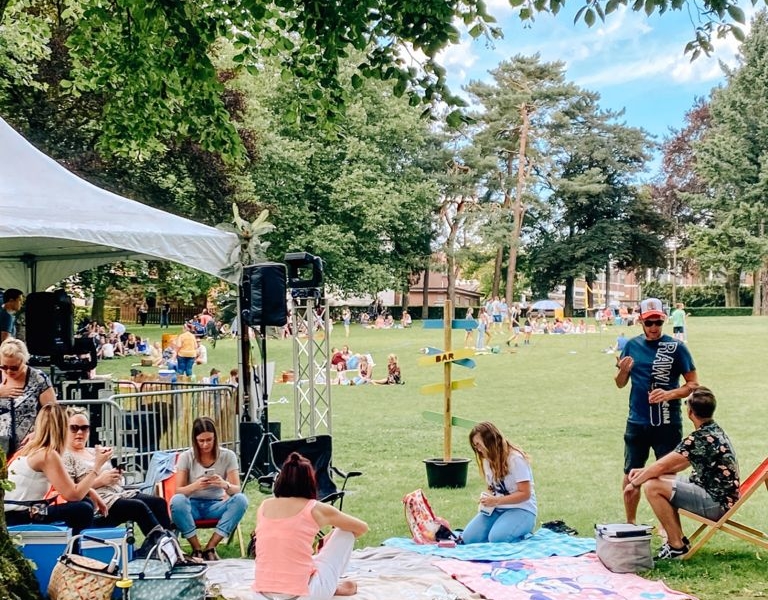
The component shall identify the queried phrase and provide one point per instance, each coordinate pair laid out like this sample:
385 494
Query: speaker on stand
263 304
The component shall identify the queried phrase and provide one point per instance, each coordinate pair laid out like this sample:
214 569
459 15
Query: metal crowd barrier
159 417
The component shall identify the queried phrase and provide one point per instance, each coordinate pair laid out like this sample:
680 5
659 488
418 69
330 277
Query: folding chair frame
726 523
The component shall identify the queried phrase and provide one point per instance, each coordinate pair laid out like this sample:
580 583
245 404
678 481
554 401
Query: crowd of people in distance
361 367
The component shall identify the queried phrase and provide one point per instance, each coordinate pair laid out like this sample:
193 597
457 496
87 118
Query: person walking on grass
678 322
713 486
654 363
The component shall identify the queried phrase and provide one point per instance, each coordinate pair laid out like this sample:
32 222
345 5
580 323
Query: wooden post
447 421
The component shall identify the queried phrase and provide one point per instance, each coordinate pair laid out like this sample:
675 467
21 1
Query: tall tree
598 215
732 159
515 111
679 181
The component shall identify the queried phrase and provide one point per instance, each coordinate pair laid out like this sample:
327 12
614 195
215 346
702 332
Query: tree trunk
425 295
732 282
608 284
18 580
590 293
568 304
97 310
757 292
497 272
519 208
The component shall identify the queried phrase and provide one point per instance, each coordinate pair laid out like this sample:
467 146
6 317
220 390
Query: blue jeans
502 525
185 511
184 365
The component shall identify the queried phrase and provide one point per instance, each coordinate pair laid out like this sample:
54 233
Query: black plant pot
446 473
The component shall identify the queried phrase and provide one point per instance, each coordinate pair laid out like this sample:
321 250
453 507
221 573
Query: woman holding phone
208 487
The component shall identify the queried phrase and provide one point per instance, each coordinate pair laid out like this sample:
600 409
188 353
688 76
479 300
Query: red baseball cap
652 307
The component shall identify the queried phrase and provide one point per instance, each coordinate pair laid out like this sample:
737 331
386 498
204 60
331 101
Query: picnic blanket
541 544
380 573
555 578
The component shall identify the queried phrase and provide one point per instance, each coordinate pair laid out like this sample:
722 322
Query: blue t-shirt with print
657 364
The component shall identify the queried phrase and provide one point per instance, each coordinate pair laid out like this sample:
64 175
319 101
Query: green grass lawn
556 398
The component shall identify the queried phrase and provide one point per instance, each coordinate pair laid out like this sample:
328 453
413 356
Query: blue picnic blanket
541 544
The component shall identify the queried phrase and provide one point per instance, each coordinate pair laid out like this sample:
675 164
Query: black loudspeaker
250 436
50 323
263 301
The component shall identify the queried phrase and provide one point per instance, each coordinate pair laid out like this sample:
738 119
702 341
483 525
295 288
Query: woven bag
78 577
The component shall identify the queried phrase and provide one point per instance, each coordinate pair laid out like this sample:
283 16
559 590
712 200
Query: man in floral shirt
711 489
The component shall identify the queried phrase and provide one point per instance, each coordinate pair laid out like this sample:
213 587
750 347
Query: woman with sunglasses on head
507 509
149 512
655 363
39 466
286 526
23 390
208 487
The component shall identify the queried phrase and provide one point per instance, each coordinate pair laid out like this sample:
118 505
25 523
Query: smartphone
209 472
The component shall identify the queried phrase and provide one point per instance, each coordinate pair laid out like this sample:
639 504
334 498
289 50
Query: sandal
209 555
197 554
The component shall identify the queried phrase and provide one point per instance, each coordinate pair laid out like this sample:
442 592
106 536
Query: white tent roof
54 224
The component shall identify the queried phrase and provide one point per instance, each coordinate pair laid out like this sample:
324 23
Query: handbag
624 548
78 577
38 509
165 575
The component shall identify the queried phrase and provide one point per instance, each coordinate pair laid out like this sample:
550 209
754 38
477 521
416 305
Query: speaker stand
267 437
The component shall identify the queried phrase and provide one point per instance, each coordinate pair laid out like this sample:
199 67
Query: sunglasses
653 323
11 368
76 428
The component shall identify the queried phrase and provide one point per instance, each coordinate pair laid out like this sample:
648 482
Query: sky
635 62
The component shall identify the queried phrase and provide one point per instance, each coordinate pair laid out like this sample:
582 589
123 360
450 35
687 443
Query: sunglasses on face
76 428
653 323
11 368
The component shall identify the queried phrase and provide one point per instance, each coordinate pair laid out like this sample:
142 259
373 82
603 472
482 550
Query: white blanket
380 573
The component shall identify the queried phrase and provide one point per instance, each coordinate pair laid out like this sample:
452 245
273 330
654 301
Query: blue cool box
42 544
93 549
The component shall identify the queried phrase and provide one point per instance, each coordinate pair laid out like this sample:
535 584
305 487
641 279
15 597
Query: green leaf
357 81
736 14
454 119
399 89
477 30
589 17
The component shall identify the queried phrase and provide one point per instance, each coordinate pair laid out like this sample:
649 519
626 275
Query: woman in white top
39 467
507 509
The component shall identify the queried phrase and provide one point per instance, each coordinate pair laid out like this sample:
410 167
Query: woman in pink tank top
286 526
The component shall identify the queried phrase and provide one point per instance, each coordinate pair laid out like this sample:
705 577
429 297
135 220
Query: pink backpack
425 527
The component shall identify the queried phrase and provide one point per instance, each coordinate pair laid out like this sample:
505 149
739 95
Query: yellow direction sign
439 359
456 384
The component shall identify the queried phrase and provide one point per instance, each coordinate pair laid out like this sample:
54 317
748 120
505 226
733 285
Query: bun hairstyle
296 479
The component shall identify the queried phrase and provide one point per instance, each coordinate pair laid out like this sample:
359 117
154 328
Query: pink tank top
284 562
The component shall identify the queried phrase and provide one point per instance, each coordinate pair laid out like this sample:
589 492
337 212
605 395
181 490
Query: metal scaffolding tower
311 366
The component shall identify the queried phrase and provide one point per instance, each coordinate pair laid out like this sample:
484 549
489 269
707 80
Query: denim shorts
695 499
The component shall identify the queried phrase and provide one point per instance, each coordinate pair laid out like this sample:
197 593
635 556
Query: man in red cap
654 362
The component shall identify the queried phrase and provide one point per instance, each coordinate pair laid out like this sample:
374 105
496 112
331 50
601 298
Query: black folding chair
318 450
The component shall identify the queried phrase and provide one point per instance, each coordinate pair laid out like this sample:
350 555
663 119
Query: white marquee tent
54 224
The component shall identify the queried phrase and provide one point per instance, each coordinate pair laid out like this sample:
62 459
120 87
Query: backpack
425 527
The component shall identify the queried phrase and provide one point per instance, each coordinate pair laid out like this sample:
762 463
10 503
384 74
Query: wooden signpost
448 357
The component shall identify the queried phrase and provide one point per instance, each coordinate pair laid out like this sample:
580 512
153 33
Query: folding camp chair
318 450
167 488
726 523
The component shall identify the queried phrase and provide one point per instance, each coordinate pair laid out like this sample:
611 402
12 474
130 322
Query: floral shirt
713 461
25 407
